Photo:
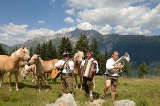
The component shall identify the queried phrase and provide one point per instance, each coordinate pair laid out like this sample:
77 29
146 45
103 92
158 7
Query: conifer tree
142 70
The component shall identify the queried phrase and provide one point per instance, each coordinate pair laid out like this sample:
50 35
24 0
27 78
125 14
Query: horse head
79 56
22 53
26 70
34 60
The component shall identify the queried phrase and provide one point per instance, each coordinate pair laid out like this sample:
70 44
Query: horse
47 67
38 71
78 58
28 69
11 64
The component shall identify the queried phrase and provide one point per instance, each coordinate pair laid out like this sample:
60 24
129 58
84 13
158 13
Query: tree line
48 51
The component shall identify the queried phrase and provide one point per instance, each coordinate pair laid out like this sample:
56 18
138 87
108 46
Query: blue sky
21 20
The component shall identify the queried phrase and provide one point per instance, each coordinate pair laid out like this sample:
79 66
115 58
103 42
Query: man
112 78
88 79
66 66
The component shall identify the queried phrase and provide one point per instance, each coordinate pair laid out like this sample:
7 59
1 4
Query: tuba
89 66
120 62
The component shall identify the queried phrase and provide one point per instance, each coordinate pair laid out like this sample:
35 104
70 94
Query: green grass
145 92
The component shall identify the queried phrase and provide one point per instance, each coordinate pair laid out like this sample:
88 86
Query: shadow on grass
23 85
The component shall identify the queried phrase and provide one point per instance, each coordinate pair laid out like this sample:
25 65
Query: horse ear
23 46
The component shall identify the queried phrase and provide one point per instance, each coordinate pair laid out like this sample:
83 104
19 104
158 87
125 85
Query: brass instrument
120 62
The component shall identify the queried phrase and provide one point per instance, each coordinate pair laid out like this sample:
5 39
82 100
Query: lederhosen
88 81
66 82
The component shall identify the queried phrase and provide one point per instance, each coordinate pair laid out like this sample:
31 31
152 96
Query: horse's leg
39 84
46 78
9 81
16 78
1 78
81 78
75 76
94 84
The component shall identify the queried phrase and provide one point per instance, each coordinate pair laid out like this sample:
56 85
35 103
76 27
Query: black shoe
103 97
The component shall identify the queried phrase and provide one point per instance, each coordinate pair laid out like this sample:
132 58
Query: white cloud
41 22
70 11
40 32
131 30
12 29
85 26
118 12
69 20
11 34
64 30
106 29
100 3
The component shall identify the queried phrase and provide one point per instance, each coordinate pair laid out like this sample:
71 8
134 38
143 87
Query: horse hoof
17 89
10 90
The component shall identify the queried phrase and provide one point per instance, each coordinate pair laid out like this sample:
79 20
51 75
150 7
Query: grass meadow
145 92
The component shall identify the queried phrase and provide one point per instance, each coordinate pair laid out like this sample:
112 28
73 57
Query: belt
66 73
111 76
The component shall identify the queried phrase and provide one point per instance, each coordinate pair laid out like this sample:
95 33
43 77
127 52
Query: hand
60 66
118 67
67 64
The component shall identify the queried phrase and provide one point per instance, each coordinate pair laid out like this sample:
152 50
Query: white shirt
66 70
109 66
95 61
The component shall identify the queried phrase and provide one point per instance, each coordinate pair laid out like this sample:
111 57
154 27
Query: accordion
89 69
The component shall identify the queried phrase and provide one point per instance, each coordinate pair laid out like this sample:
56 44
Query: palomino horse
39 70
11 64
28 69
78 58
47 67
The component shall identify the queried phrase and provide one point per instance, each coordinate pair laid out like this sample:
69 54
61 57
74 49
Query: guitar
56 71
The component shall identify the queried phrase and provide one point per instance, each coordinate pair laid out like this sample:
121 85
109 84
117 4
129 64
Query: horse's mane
79 53
15 52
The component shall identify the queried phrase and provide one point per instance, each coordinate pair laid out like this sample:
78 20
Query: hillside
140 47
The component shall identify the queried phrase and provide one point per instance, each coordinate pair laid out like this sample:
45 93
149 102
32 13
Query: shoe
91 99
103 97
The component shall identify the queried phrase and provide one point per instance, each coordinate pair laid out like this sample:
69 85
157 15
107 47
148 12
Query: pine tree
51 52
142 70
44 51
38 49
2 51
94 47
82 44
126 69
65 45
31 51
156 72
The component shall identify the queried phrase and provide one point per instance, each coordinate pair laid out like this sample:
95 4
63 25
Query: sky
21 20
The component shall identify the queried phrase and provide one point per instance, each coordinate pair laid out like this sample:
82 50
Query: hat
66 53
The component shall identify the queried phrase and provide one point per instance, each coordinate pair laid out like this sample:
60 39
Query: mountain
140 47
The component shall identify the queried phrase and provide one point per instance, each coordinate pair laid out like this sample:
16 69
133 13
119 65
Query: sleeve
109 65
97 68
71 65
83 62
58 63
